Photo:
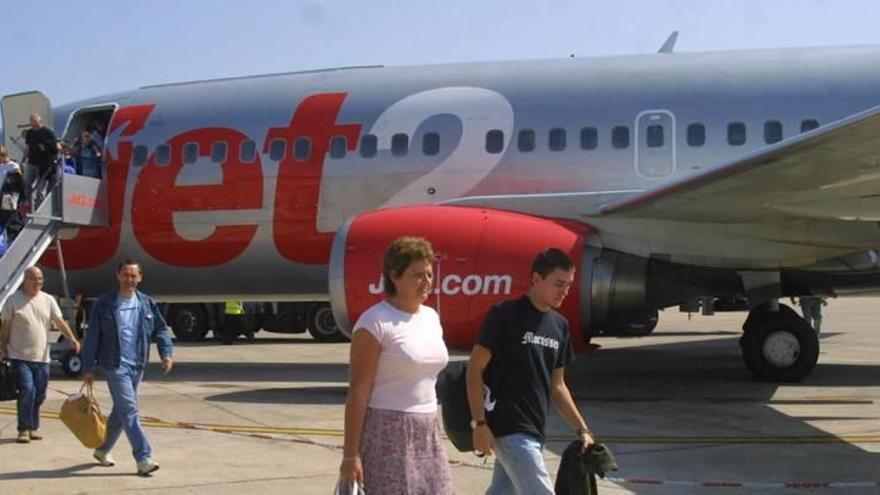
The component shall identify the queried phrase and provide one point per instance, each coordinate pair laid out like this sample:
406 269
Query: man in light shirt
24 339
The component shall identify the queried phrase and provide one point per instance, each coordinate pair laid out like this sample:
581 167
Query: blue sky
74 50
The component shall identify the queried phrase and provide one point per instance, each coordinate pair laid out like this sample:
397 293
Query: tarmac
678 409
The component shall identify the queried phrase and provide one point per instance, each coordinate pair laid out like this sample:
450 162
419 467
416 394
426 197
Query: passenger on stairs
6 164
11 192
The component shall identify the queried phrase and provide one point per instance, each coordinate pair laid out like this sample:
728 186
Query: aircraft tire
643 325
760 313
189 322
780 348
322 325
72 364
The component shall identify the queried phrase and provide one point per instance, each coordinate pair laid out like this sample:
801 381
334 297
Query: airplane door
16 111
655 152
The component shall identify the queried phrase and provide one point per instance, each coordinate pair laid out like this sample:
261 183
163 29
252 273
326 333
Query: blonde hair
402 252
3 151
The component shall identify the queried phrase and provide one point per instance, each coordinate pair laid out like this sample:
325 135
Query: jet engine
484 257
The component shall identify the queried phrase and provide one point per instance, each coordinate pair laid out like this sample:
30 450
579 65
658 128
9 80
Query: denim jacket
102 345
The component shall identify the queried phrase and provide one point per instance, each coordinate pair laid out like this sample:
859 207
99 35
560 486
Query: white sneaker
147 466
103 458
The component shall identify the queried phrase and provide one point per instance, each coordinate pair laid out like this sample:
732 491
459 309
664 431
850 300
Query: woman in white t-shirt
392 436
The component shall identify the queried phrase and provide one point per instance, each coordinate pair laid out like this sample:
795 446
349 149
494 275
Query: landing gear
322 325
779 346
637 324
188 321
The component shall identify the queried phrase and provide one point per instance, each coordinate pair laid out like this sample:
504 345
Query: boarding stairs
74 202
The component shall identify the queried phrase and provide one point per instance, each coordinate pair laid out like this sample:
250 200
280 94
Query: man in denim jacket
121 326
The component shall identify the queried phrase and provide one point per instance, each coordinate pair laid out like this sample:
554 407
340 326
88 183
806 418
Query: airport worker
24 339
392 435
519 361
122 324
233 322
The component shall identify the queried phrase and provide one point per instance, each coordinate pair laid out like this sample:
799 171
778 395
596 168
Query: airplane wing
832 172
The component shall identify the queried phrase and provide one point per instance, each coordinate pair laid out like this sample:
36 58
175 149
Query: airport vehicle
709 181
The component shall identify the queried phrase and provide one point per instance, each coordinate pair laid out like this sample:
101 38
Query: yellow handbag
82 415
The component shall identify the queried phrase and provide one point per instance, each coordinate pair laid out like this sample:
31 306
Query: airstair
74 202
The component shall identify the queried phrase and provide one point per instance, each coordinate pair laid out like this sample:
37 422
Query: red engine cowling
484 256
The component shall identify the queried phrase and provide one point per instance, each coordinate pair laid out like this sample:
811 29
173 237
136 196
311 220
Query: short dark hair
130 261
549 260
402 252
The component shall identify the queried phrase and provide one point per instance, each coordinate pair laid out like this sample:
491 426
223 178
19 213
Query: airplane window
139 156
736 133
809 125
277 148
248 151
190 152
369 143
589 138
772 131
431 143
557 139
494 141
654 136
399 144
620 137
218 152
302 148
163 155
526 141
337 146
696 135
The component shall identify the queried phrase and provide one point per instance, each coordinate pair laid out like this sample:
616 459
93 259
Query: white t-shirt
413 353
31 322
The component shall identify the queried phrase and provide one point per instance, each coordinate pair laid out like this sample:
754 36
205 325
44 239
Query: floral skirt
403 454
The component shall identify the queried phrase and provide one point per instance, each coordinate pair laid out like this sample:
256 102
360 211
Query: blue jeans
33 378
123 383
519 467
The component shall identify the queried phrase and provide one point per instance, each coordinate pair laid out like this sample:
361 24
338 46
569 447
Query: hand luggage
82 415
8 381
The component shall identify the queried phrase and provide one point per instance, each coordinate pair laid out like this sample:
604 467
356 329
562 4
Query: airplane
709 181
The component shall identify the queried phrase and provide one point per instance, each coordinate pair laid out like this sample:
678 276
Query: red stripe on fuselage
297 191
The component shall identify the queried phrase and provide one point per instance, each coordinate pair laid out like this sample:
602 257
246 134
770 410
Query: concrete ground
678 408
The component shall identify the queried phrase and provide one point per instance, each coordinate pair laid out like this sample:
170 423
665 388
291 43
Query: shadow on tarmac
75 471
210 341
253 372
333 395
691 388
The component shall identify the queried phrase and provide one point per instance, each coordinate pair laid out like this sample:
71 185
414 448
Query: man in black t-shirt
516 368
42 149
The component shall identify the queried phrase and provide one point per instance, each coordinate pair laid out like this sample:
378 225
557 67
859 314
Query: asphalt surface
678 408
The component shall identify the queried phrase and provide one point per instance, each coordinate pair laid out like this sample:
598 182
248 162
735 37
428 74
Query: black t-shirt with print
41 146
527 345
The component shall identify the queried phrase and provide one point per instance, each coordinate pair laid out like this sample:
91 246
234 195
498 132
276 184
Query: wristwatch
477 423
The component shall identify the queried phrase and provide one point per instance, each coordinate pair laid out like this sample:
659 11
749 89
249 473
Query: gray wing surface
831 173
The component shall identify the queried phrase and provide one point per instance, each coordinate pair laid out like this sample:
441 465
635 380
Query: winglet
669 45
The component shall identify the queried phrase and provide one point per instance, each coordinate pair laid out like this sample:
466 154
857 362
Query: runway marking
153 422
